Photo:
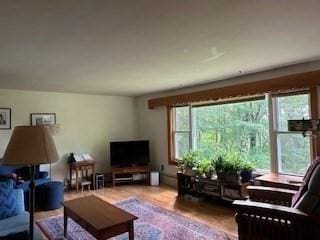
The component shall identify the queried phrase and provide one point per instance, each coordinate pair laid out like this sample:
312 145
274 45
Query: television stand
130 174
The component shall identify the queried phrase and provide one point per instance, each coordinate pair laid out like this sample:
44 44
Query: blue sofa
20 222
40 178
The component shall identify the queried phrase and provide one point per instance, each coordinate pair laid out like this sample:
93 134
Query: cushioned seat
14 224
18 223
49 196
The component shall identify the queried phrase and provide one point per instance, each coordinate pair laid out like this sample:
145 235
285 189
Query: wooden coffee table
100 218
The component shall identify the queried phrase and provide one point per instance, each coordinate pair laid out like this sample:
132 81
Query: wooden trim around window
292 82
314 105
171 159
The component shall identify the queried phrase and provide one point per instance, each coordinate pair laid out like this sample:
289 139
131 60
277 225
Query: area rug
154 223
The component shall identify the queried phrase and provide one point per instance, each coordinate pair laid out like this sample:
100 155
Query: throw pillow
8 201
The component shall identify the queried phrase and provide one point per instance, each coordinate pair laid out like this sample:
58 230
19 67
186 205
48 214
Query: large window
181 131
241 128
293 150
255 129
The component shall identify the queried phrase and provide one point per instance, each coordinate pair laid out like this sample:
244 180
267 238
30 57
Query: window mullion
190 128
272 134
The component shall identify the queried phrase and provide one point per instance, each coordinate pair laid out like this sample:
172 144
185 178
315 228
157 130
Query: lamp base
31 202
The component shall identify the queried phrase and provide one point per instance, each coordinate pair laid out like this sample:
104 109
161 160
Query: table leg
70 177
65 222
94 177
131 231
77 180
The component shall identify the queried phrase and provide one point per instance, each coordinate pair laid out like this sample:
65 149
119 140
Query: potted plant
205 168
246 172
228 169
190 162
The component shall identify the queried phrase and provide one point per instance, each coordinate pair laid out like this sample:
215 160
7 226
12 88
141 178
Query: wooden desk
100 218
280 181
82 166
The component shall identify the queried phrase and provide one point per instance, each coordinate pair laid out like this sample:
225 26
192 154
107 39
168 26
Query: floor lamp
30 146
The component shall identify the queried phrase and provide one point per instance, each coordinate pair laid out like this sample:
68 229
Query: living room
199 85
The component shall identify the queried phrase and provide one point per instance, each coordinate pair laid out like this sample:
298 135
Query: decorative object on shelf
30 146
47 120
228 169
205 168
304 125
212 188
189 162
246 172
71 158
232 169
5 118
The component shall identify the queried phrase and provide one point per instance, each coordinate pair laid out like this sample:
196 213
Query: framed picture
42 118
5 118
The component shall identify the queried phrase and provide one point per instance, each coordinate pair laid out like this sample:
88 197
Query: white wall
88 122
152 123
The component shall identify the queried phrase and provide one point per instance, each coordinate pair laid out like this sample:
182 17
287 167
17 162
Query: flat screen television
129 153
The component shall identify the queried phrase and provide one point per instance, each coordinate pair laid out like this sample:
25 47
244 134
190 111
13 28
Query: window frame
174 132
274 162
275 132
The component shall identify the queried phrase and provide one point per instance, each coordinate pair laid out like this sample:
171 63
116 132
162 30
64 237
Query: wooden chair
280 214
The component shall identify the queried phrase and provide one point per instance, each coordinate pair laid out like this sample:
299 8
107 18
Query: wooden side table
82 166
280 181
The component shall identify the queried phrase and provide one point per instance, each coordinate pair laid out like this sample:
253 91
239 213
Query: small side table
280 181
82 166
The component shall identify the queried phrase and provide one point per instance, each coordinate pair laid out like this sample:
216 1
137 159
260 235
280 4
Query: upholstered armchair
279 214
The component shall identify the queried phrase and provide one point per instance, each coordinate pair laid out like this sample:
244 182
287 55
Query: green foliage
205 166
191 159
237 130
247 167
232 164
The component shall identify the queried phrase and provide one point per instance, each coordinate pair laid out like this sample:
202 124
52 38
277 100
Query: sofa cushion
8 201
305 184
310 200
20 200
14 224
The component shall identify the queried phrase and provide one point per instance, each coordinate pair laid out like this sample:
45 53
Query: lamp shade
30 145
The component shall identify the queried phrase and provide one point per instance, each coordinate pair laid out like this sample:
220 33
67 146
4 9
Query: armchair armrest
261 221
277 196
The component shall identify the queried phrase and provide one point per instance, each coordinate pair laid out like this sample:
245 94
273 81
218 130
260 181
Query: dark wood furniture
264 221
280 181
126 174
83 166
215 188
100 218
269 215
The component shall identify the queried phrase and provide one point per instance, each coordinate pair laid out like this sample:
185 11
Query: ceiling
134 47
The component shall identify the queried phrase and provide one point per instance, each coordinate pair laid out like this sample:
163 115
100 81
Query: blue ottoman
49 196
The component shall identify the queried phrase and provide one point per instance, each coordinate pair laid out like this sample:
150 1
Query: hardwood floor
215 214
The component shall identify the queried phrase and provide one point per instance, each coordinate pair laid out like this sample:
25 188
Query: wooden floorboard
219 215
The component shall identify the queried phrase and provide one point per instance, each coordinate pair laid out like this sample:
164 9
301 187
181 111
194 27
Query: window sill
173 162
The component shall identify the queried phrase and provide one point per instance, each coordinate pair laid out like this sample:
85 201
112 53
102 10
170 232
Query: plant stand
212 188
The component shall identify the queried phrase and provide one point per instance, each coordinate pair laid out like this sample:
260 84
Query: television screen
129 153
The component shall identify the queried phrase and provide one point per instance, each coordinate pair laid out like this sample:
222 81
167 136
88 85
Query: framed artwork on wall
5 118
42 119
